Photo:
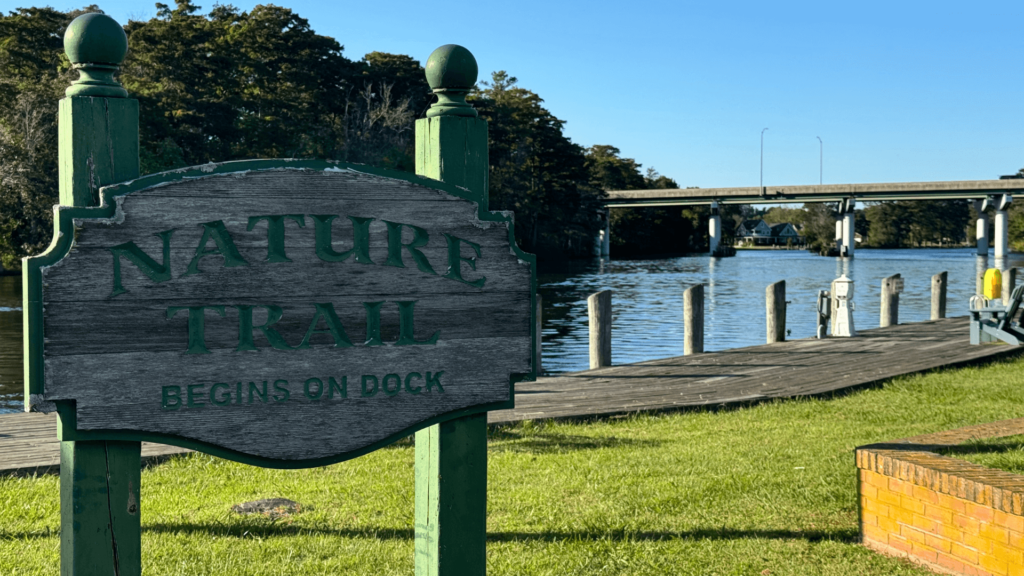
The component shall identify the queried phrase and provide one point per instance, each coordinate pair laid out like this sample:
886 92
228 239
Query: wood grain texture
1009 283
939 282
889 311
599 310
538 336
775 311
114 354
693 320
98 145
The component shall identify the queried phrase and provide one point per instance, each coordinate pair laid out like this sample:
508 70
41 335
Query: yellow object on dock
993 284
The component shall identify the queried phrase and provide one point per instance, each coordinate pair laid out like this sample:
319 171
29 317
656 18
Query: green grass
1006 453
766 490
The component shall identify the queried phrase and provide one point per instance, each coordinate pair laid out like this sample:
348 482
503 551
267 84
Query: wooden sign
283 313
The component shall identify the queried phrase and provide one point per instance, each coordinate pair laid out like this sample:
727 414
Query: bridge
984 193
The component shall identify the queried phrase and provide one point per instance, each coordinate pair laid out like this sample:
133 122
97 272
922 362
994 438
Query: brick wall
950 515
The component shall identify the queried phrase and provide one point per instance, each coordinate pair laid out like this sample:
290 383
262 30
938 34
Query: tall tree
33 76
537 171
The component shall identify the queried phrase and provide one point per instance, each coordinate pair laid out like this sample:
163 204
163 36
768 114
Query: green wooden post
451 458
99 145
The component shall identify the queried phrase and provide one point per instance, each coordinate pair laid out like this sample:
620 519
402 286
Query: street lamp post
821 159
762 161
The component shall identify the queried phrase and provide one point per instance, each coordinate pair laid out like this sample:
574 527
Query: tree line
231 84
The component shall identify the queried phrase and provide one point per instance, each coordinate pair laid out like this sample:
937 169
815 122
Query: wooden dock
28 442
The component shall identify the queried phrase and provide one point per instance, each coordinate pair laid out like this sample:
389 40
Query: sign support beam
98 145
451 457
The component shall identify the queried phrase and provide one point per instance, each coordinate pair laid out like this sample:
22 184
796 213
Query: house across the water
760 233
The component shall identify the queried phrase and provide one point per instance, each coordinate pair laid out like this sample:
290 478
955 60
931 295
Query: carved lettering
225 247
275 233
151 268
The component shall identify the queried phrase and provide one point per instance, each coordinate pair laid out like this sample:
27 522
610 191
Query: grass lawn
767 490
1006 453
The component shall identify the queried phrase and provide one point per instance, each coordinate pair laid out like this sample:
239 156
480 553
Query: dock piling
775 307
599 306
538 340
939 295
1009 283
693 320
890 310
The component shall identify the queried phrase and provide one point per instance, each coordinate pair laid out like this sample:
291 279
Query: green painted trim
67 431
63 240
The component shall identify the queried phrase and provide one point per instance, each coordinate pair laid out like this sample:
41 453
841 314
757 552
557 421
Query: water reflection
648 305
10 343
647 301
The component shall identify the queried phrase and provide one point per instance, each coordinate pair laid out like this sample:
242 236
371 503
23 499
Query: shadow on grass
533 442
272 530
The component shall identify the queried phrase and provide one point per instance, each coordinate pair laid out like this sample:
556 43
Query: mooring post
693 320
538 340
599 307
890 311
939 295
451 457
1009 283
775 307
98 145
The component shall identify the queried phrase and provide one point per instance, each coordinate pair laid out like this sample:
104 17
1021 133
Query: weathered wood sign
285 313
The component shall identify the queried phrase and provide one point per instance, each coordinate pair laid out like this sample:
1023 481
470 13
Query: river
647 301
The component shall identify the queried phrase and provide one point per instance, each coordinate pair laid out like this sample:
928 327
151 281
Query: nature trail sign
344 307
282 313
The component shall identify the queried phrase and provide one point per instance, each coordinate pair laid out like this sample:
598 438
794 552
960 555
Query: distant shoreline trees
232 84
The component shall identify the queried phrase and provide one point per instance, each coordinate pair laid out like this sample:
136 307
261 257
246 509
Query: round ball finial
96 45
451 73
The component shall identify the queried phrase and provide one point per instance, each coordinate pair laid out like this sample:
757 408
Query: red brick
925 495
874 479
982 545
965 553
993 564
926 524
912 534
1016 540
875 534
914 505
994 533
940 514
969 525
1010 555
948 562
1011 521
979 512
868 491
937 542
901 515
950 532
869 519
952 503
899 543
974 571
889 525
923 552
887 497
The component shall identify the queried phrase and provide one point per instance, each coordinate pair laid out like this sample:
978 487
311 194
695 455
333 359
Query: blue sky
898 91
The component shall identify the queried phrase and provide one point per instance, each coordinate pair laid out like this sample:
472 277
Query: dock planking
799 368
